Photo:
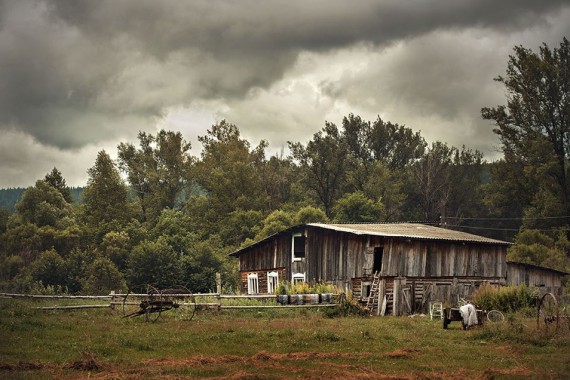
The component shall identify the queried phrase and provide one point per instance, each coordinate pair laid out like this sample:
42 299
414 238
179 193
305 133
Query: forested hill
9 197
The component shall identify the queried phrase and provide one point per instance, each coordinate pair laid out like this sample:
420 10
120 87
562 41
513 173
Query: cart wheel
154 295
186 309
548 312
495 316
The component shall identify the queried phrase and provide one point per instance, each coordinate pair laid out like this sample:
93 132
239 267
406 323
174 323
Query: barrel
296 299
326 297
283 299
311 299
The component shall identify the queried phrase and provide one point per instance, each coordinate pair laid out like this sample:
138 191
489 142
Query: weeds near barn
269 344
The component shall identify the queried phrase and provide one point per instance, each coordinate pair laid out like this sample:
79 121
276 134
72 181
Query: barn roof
402 230
409 230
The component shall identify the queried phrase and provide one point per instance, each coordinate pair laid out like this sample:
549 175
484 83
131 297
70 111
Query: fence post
112 299
219 290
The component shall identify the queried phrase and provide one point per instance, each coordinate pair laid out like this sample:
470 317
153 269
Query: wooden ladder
372 302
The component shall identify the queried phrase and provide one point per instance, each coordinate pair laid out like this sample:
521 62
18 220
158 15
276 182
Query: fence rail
115 300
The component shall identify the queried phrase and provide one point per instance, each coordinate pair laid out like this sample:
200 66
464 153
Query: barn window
252 283
272 282
298 277
298 243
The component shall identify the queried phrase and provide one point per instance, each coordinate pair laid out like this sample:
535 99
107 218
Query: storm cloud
80 75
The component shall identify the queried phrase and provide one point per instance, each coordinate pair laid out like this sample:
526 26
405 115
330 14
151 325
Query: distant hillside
9 197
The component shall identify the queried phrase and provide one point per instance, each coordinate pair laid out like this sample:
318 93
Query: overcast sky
77 77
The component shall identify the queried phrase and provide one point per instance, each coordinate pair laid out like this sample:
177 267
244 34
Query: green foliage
153 263
116 246
356 208
105 196
228 171
323 163
55 179
310 214
103 277
277 221
158 171
239 226
537 248
43 205
200 265
286 287
533 129
50 269
506 298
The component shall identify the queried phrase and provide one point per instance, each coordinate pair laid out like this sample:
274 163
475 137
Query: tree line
176 218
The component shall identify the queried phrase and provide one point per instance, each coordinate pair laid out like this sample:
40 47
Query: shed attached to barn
546 279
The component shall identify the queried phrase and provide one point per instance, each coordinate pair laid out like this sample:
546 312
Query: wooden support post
112 299
397 296
381 294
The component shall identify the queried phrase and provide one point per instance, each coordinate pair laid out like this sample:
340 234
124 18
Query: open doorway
378 255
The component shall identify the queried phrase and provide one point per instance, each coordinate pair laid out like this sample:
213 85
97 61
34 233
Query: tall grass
507 298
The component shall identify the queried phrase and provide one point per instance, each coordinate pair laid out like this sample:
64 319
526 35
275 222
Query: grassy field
268 344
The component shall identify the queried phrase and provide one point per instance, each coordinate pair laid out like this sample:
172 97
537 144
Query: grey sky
80 76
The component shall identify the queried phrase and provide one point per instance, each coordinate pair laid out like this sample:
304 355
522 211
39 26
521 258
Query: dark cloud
76 76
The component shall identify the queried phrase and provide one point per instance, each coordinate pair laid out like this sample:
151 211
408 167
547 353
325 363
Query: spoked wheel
154 306
130 305
548 313
186 305
495 316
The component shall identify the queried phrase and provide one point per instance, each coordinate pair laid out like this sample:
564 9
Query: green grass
269 344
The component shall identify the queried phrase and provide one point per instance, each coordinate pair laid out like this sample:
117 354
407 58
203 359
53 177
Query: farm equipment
549 313
451 314
156 301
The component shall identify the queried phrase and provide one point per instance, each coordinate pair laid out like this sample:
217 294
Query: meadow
269 344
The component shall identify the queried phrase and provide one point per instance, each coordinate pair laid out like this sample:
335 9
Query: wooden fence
121 299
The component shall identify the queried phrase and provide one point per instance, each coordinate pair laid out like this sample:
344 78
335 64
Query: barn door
378 255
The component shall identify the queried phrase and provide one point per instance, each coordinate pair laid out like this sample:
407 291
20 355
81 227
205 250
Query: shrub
507 299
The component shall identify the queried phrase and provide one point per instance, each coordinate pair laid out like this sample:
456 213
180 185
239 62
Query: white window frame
252 283
297 277
299 234
272 282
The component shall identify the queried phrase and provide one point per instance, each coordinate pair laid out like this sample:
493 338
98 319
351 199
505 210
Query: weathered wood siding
522 274
261 278
275 253
336 256
339 257
417 258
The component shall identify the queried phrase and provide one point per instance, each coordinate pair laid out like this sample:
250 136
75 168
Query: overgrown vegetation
506 298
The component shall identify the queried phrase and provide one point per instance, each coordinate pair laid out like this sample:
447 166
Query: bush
286 287
507 299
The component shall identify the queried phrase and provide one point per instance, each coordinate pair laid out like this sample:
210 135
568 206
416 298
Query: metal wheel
186 308
495 316
548 313
154 296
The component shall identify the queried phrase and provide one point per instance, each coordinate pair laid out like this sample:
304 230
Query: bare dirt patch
402 353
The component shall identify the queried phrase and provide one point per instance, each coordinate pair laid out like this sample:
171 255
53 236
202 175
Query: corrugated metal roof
403 230
409 230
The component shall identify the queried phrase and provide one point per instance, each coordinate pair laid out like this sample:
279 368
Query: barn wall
338 258
542 278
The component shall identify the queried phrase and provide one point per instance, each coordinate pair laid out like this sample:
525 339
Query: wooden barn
402 267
